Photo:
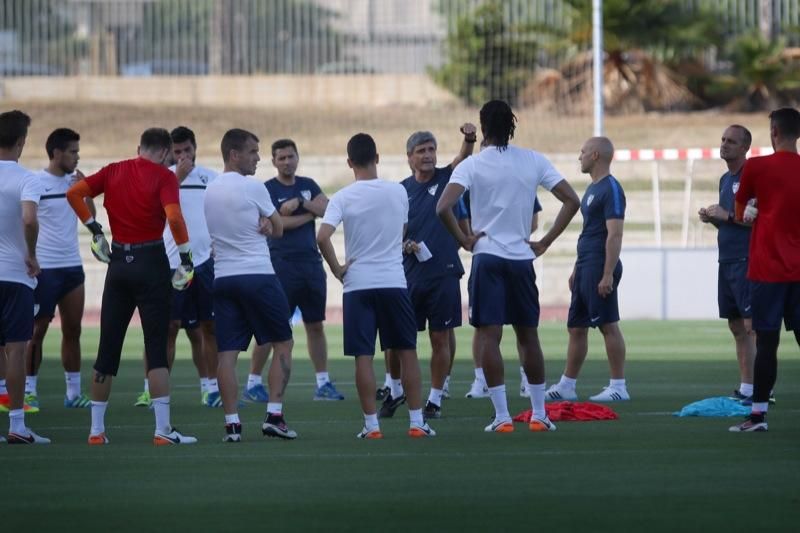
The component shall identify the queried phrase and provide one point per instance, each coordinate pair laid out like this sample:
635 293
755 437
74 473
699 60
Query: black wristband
95 227
470 139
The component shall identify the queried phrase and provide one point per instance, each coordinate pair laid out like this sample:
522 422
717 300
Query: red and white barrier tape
680 154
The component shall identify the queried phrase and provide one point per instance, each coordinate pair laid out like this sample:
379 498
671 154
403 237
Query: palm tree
642 39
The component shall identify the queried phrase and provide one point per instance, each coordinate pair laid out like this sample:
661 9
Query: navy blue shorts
16 312
774 303
371 311
587 308
502 291
733 291
195 304
252 305
53 285
436 302
305 285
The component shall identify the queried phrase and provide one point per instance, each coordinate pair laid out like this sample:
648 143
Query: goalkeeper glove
750 212
184 274
100 248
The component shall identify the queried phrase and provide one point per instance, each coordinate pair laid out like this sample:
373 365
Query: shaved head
596 152
603 147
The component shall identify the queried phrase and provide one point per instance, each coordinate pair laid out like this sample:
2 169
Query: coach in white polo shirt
248 298
19 228
61 281
502 181
374 213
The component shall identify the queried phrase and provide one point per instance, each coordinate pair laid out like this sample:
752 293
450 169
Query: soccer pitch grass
647 470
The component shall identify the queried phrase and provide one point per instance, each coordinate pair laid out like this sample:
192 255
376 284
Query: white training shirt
502 185
57 246
373 213
192 193
17 184
233 205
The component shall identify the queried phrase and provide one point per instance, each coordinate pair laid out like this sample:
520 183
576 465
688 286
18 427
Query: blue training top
602 201
299 244
425 226
733 239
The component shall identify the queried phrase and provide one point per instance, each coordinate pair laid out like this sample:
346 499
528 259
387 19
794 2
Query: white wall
669 283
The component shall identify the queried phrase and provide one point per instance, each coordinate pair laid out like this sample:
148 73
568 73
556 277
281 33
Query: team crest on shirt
432 189
306 194
589 199
735 187
204 179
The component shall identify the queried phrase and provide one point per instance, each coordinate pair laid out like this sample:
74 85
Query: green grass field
646 471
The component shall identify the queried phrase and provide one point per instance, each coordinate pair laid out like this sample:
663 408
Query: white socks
567 383
415 417
253 380
322 378
500 403
16 422
161 409
3 389
479 375
98 417
73 381
146 385
387 381
371 421
537 399
203 385
618 384
274 408
396 388
435 397
213 386
30 384
746 389
232 419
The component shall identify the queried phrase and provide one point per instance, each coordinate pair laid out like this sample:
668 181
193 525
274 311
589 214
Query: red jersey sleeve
169 193
97 181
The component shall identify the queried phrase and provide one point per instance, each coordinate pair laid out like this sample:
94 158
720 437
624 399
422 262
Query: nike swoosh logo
48 190
173 440
446 322
595 319
282 200
747 308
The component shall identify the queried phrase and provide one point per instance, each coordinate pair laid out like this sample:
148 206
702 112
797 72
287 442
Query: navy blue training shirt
733 239
425 226
299 244
602 201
